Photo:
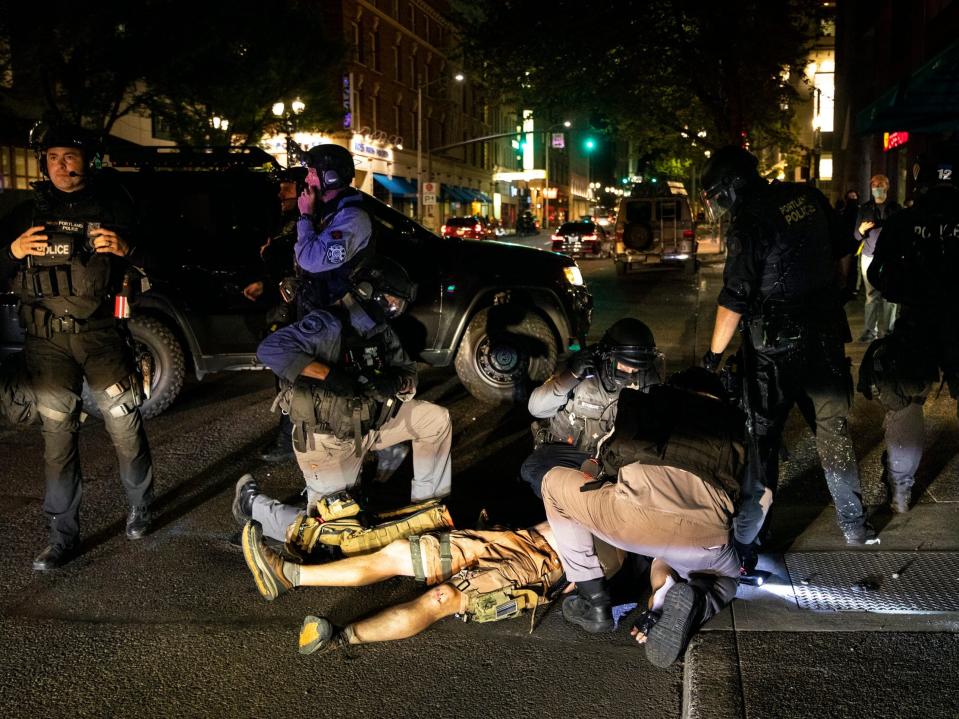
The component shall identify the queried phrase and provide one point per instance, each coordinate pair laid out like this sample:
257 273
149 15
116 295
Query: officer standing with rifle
914 265
348 387
73 256
781 291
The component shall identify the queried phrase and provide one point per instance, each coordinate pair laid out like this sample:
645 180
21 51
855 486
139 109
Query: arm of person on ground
348 233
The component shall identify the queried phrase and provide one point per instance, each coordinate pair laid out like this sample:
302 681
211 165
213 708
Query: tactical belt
41 323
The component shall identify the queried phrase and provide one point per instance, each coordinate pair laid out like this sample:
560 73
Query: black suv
501 314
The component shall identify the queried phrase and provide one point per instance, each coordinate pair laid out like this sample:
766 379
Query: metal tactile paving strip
882 582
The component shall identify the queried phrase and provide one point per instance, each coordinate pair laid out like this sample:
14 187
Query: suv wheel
158 349
504 350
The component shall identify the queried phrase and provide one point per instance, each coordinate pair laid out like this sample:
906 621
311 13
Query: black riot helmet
44 135
726 174
938 167
383 287
333 164
627 356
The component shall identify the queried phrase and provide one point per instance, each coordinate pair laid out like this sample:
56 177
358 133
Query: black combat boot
590 608
138 522
246 490
54 557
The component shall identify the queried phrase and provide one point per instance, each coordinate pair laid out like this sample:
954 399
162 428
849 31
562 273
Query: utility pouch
501 604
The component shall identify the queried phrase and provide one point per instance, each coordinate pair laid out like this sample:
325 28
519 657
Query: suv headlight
573 275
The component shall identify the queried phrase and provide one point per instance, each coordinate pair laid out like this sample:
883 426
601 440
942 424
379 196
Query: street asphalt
173 626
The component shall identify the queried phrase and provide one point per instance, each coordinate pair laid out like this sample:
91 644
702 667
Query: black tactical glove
711 360
382 387
341 383
582 364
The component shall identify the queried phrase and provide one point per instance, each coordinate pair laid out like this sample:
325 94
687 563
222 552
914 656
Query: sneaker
862 535
682 611
265 564
868 336
138 522
318 635
246 489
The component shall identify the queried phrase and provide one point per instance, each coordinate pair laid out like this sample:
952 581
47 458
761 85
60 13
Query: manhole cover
882 582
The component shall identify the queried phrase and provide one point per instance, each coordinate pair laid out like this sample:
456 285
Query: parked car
526 224
655 226
500 314
469 228
581 239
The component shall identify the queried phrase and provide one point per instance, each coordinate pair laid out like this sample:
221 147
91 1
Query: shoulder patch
336 254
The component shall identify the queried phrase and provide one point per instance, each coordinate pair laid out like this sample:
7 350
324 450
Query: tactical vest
670 427
587 416
319 290
70 280
313 409
792 225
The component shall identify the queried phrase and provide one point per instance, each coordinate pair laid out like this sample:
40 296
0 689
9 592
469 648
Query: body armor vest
319 290
674 428
314 409
586 418
71 280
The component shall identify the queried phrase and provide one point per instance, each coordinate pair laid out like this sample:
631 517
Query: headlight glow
573 275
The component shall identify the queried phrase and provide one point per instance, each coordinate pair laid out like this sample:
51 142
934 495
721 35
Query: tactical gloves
582 364
382 387
711 360
341 383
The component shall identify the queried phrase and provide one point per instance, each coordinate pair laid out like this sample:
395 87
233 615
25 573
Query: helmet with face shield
725 176
627 356
383 287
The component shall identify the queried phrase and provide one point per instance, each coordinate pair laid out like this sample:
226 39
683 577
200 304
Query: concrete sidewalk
838 631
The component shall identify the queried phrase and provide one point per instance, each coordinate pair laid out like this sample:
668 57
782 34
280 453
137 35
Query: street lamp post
289 116
549 141
459 77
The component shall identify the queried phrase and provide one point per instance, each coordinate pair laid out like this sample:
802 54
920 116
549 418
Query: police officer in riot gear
915 265
72 249
780 289
333 232
580 401
348 388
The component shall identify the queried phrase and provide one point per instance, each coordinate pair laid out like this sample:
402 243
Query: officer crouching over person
915 264
348 388
72 254
580 401
671 478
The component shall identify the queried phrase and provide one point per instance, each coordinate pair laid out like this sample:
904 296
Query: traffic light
589 144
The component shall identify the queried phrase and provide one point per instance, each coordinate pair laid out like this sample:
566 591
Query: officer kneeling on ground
915 265
348 388
72 251
675 461
580 401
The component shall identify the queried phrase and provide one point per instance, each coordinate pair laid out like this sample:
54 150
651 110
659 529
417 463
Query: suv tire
638 236
504 351
163 350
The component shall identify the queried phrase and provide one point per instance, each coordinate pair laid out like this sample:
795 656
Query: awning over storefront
476 195
396 186
926 101
454 193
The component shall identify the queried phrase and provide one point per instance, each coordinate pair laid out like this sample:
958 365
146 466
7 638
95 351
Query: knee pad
124 396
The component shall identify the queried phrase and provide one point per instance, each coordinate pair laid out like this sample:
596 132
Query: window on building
825 92
374 47
412 70
395 12
412 20
18 168
412 137
427 26
397 72
375 112
160 129
359 40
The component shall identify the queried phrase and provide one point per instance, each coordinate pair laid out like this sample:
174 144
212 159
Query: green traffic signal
589 144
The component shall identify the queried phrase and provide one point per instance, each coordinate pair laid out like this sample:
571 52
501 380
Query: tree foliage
655 68
183 61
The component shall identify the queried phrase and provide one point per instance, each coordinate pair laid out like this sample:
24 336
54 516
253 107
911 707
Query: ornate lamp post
289 116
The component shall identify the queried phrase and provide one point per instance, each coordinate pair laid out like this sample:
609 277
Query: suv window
461 221
641 212
577 228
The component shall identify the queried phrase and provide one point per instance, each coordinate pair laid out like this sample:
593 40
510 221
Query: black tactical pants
57 367
811 370
547 456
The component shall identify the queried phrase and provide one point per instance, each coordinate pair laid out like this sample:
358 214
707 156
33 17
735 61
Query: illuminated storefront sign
359 146
892 140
